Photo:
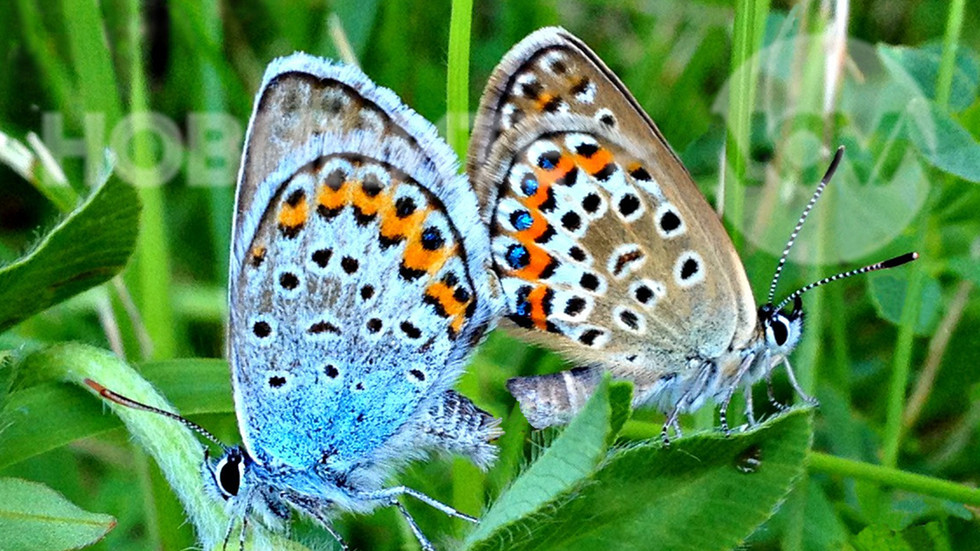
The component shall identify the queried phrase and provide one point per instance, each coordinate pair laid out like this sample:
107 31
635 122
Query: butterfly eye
228 474
779 331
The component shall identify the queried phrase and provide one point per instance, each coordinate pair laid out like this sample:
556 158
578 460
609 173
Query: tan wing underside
705 319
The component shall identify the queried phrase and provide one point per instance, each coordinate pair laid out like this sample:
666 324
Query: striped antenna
884 265
799 224
130 403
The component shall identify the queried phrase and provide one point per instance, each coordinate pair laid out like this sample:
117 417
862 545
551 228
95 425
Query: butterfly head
229 474
782 329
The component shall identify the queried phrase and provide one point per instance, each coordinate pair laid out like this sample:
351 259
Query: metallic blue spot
521 220
529 185
518 257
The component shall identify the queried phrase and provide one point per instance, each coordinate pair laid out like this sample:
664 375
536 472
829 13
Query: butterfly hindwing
357 292
604 246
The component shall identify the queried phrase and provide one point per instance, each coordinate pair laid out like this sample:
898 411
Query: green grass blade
458 77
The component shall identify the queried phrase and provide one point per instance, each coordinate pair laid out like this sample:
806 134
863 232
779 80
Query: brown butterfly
606 250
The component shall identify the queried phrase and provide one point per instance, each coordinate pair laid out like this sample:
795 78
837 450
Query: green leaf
917 69
34 417
569 459
669 497
888 293
880 538
33 516
85 249
176 449
966 267
943 141
621 406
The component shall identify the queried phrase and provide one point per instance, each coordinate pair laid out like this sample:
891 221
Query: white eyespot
288 281
581 144
279 381
508 115
647 292
416 376
370 121
668 221
522 180
525 79
263 330
332 371
333 103
592 336
335 171
585 91
630 320
554 63
375 177
642 178
571 306
543 154
606 117
625 259
689 269
573 222
628 205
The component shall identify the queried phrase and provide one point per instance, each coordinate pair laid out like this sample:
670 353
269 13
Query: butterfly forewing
602 241
357 298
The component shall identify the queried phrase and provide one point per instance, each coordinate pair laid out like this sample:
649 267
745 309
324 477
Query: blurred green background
892 358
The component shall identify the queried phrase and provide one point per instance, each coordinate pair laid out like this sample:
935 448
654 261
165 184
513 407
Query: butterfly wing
604 246
355 293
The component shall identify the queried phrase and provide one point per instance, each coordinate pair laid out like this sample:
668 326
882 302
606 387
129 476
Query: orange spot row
536 299
539 262
548 177
543 100
418 257
444 295
539 226
393 227
596 162
293 216
331 199
369 206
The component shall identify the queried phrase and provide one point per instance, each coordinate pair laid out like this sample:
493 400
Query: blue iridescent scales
357 293
358 289
605 248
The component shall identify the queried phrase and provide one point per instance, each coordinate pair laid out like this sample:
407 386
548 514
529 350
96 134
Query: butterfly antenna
129 402
799 224
883 265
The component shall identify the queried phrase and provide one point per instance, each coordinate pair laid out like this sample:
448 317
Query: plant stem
947 64
920 484
458 77
750 23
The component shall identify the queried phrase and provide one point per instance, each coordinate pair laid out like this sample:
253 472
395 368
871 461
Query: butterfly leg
743 368
423 541
796 385
749 407
671 423
241 534
772 395
389 494
314 508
